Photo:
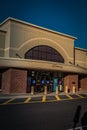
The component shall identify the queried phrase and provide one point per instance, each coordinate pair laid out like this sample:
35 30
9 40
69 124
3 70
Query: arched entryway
41 78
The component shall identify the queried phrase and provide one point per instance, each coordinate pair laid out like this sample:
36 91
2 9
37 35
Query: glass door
55 83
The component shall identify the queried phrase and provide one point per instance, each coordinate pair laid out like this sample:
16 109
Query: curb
35 95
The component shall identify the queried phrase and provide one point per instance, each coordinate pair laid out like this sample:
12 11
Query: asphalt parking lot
54 112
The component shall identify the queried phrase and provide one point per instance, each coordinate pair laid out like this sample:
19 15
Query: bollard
57 90
45 89
60 87
74 89
32 90
66 89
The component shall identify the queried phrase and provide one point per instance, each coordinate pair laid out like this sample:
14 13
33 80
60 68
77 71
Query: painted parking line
84 95
79 95
69 96
8 101
18 100
40 99
57 97
27 100
3 100
79 128
44 99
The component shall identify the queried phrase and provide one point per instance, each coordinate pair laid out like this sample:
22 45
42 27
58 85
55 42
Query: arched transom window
44 53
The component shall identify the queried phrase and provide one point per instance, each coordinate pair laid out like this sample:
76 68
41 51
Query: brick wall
6 81
14 81
70 81
83 83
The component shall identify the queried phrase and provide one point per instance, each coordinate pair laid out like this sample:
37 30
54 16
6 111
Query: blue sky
65 16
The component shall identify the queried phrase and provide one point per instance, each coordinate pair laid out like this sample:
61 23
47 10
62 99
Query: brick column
83 83
14 81
0 80
70 81
6 81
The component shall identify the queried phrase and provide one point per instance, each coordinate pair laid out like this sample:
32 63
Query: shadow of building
77 116
84 121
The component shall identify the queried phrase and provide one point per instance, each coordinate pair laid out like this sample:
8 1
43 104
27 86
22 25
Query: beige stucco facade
2 43
81 57
22 36
17 37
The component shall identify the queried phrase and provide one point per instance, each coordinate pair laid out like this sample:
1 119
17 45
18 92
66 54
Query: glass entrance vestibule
39 79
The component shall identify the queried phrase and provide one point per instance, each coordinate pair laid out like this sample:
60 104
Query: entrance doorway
39 79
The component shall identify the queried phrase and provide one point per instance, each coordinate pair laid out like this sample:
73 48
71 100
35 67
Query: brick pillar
6 81
70 81
14 81
66 82
83 83
0 80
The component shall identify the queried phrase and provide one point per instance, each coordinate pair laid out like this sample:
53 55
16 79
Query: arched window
44 53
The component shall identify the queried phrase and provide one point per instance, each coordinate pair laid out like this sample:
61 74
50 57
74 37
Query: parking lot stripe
69 96
79 95
27 100
57 97
43 98
8 101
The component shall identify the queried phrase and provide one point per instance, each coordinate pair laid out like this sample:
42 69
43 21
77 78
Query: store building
34 56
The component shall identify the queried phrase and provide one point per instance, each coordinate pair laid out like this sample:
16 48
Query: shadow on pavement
76 117
84 121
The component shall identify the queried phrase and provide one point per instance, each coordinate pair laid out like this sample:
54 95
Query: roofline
49 30
81 49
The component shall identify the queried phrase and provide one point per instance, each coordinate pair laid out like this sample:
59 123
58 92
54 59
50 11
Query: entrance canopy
38 64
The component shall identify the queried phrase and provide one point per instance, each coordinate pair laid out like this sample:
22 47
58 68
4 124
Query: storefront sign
57 66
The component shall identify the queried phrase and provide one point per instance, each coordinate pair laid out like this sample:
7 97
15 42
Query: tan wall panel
2 43
1 53
81 57
6 27
23 37
2 40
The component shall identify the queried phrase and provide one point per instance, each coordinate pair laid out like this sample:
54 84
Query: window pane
44 56
49 57
44 53
35 55
52 57
43 48
56 53
48 50
36 48
39 48
56 58
39 54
